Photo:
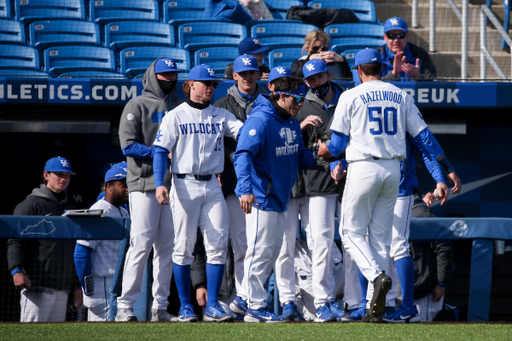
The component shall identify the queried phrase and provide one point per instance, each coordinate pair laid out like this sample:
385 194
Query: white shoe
162 315
125 315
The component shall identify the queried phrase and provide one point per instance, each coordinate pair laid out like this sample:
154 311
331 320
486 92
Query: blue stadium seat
123 34
217 57
355 30
284 56
62 59
196 35
363 9
12 32
44 34
251 23
342 44
22 73
278 8
91 74
106 11
19 57
33 10
183 10
350 56
281 34
135 60
5 9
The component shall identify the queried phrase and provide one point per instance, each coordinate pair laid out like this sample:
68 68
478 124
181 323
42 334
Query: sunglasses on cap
297 99
315 49
210 83
393 36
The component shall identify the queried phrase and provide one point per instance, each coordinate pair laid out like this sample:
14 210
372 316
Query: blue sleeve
333 164
338 143
83 262
138 151
433 166
247 147
429 144
160 165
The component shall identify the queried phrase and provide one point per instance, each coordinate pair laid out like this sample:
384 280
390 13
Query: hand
246 202
21 280
220 181
264 76
79 298
162 195
337 174
411 70
398 63
323 150
429 198
438 293
202 296
454 180
311 120
328 57
442 192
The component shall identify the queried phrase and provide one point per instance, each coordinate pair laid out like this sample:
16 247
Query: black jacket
48 263
433 262
338 70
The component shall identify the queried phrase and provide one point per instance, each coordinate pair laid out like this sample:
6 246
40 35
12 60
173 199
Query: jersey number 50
378 115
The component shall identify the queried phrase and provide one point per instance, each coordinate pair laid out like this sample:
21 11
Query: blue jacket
269 154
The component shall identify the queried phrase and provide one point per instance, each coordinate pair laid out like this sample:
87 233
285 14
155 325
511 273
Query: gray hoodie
139 124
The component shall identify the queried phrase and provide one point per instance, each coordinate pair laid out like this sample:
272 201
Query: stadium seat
194 36
217 57
19 57
179 11
22 73
284 56
342 44
363 9
278 8
91 74
106 11
62 59
135 60
120 35
350 56
280 34
251 23
355 30
12 32
5 9
33 10
44 34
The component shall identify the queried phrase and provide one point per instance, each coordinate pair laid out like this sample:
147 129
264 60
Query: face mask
167 86
322 90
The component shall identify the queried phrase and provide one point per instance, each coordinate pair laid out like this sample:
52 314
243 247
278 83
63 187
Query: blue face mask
322 90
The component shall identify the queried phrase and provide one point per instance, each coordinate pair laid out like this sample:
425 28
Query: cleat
356 314
403 314
263 315
381 287
370 319
291 313
162 315
186 314
216 313
324 314
337 311
239 306
125 315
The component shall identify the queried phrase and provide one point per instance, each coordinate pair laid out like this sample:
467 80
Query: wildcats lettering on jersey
287 150
201 128
288 135
374 96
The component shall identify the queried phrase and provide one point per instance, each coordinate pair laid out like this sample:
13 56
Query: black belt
376 158
207 177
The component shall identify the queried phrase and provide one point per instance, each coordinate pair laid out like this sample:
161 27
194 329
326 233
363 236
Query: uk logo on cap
310 67
211 72
247 61
394 21
281 70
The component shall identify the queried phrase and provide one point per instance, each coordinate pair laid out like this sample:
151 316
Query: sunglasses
393 36
319 48
210 83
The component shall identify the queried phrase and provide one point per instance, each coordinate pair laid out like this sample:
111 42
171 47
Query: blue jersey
269 154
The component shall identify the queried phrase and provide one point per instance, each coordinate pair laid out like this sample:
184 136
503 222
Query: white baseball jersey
195 138
376 115
105 252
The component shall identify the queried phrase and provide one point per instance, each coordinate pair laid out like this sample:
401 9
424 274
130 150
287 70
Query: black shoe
368 319
380 289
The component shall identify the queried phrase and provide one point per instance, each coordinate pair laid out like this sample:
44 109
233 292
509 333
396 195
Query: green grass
260 331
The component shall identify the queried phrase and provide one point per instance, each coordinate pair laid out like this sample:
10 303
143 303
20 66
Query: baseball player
95 260
151 226
194 133
269 154
371 121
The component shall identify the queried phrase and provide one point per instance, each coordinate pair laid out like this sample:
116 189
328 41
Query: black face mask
322 90
167 86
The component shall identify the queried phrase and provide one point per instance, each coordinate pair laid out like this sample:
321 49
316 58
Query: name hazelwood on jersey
195 138
376 116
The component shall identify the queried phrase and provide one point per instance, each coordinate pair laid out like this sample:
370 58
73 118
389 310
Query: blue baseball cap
367 56
58 164
278 72
298 91
202 72
395 23
117 172
313 67
166 65
251 45
245 62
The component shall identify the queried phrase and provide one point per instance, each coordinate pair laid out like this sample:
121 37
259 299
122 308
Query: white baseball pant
265 231
238 239
43 305
284 267
151 228
98 303
368 201
427 308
